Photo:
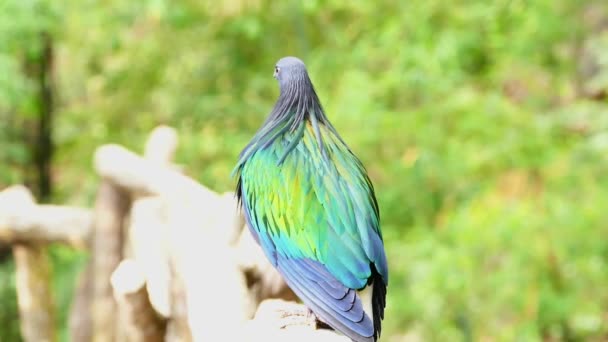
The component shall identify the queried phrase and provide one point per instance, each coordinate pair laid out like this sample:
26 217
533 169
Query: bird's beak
275 74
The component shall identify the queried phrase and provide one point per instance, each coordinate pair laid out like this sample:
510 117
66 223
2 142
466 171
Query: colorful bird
310 205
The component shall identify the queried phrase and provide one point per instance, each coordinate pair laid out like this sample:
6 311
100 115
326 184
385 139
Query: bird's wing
317 221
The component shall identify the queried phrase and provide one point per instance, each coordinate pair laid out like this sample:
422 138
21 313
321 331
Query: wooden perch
216 292
22 220
279 320
145 177
202 226
149 232
33 268
147 236
178 329
111 207
148 225
140 321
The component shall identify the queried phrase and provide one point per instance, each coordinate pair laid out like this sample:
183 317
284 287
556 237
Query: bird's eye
276 69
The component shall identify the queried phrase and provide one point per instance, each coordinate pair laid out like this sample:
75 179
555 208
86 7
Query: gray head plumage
298 99
290 70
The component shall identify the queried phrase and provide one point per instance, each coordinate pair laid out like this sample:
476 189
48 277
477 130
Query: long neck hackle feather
297 103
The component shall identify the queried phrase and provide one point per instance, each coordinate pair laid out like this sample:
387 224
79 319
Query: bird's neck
298 105
297 102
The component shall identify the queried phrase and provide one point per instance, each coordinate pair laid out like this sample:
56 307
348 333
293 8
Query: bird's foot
289 314
297 315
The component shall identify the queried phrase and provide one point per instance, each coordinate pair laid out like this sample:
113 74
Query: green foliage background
488 159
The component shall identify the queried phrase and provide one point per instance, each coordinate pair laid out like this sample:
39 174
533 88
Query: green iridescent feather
313 208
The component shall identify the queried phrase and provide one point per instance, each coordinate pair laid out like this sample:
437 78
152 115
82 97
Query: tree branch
22 220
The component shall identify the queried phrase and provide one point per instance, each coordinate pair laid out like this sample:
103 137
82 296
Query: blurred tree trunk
38 132
34 293
33 270
80 324
111 206
43 150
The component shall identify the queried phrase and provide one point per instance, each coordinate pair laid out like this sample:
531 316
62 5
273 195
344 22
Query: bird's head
290 70
297 98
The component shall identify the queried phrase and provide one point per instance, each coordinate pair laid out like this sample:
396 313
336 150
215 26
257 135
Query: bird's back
311 206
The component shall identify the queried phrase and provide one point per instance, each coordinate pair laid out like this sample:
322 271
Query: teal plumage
311 206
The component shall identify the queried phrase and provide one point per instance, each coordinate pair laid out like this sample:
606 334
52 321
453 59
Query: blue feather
312 282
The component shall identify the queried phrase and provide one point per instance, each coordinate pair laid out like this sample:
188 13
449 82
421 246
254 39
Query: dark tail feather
378 300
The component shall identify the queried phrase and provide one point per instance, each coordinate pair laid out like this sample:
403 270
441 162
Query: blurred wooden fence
169 259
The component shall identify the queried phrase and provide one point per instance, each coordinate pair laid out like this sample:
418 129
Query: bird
309 203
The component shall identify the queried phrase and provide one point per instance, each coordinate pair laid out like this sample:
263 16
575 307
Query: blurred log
34 295
144 177
111 206
216 292
161 145
278 320
147 229
147 234
178 329
25 221
33 269
139 318
80 323
203 225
